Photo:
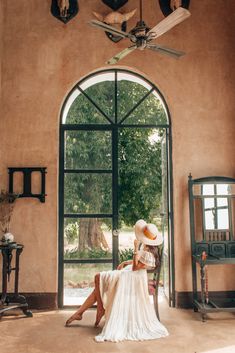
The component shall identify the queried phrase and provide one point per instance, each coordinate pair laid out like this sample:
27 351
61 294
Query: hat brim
143 239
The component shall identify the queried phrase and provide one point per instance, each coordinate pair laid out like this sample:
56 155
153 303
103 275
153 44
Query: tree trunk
91 235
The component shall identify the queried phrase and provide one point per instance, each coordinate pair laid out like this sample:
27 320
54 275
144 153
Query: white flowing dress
129 314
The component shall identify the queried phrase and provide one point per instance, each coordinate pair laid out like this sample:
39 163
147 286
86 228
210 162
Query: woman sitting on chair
122 294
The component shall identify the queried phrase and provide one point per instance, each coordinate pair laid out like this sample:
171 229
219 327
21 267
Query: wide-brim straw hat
147 233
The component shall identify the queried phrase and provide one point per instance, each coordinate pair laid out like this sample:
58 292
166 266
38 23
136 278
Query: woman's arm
135 255
124 264
139 266
136 264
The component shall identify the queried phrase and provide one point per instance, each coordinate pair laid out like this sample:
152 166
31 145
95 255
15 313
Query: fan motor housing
140 30
141 43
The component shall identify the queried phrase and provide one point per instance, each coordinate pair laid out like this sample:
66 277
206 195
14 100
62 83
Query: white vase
8 237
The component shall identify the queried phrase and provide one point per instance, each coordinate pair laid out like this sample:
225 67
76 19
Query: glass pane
150 111
127 76
165 269
88 150
164 219
129 93
222 189
208 189
209 220
88 193
79 281
82 111
126 243
233 217
87 238
139 174
222 220
103 94
222 202
209 203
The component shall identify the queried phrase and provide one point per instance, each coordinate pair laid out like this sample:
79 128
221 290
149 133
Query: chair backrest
153 283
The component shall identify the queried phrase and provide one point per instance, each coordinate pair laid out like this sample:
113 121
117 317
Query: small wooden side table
14 300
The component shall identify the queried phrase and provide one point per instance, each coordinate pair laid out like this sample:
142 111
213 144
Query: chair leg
155 301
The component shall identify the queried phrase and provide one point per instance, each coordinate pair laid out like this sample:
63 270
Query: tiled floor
45 333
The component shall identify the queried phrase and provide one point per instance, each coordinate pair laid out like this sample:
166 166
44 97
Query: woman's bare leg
86 305
100 308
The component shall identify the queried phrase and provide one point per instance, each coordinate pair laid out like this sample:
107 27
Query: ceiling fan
141 36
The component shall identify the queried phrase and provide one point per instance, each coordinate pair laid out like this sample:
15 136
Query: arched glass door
114 164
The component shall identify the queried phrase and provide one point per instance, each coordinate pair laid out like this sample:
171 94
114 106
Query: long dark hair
156 251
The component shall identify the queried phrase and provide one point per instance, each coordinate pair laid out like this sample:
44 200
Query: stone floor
45 333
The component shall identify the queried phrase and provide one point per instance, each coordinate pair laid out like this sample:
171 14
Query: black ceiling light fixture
115 4
168 6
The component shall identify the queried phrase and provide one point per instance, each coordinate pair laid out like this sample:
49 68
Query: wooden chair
153 283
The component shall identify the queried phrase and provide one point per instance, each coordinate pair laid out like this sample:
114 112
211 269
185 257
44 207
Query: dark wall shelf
27 181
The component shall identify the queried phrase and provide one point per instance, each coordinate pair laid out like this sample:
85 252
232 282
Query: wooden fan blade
169 22
167 51
111 29
121 55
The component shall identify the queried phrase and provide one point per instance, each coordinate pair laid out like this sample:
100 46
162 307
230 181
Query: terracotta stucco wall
42 59
1 54
1 38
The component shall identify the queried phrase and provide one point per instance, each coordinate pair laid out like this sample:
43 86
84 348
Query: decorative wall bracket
115 4
115 38
64 10
115 18
168 6
27 181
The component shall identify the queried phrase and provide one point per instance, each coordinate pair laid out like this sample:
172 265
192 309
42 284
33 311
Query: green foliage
139 153
150 111
139 175
95 253
125 255
71 232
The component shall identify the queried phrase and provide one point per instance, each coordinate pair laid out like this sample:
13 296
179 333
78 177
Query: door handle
116 232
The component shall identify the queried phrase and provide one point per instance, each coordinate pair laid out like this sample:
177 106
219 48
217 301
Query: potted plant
7 203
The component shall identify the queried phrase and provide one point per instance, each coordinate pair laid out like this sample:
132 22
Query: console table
205 304
212 231
14 300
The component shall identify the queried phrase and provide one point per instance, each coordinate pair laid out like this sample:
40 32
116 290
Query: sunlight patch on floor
229 349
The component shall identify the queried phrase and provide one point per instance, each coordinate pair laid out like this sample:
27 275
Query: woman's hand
120 266
123 264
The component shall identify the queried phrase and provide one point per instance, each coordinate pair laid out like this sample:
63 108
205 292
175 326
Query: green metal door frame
114 127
